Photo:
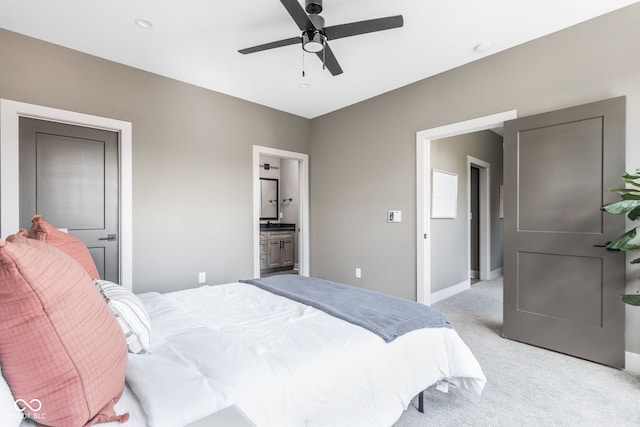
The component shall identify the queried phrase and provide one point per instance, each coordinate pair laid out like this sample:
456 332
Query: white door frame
303 194
423 189
485 218
10 113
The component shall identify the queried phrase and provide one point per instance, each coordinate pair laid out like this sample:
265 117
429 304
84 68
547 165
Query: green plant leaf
631 176
631 299
634 214
621 206
630 205
624 190
621 241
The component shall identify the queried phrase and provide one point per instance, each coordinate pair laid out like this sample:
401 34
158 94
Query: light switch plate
394 216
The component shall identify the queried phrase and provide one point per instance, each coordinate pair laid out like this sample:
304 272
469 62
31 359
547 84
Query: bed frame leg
421 402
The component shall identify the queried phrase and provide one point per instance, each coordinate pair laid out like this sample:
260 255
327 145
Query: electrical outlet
358 273
202 277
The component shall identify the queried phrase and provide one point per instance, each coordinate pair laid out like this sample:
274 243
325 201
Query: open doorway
423 196
451 215
281 217
479 236
474 224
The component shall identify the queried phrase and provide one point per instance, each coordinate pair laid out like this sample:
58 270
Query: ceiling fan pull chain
302 62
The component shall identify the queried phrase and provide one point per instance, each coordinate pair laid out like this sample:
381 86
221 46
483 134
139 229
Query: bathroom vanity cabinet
277 247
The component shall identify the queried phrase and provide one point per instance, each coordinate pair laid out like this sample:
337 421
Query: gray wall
363 157
192 156
192 149
449 255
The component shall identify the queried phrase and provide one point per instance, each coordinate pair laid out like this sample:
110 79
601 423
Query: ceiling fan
315 35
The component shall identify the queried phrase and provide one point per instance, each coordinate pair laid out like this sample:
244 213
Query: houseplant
630 205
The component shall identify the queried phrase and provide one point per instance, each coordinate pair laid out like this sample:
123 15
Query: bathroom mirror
268 198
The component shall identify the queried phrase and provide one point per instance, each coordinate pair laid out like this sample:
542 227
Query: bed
279 361
283 363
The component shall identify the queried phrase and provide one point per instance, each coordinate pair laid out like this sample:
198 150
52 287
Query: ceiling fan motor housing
317 21
313 6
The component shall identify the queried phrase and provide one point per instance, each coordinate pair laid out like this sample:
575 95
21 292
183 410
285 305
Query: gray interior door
561 287
69 175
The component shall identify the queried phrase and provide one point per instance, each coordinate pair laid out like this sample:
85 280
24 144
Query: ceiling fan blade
362 27
272 45
298 14
330 60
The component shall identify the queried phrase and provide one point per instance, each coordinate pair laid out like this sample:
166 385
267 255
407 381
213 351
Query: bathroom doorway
281 243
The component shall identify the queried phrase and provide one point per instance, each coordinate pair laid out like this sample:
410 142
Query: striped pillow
130 313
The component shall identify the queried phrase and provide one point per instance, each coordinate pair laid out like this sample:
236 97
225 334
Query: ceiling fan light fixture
312 41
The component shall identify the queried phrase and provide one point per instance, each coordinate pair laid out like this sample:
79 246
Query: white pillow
130 313
9 415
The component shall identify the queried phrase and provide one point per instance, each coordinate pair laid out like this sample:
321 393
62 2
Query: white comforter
283 363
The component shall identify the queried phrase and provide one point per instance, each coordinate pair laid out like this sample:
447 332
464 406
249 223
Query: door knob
605 246
109 238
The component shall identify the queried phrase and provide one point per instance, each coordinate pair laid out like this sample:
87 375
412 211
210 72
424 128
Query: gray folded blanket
387 316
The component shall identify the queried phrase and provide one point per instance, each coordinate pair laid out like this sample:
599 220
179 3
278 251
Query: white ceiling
196 41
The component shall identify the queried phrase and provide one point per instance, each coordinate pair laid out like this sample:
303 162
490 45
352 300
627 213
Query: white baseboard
450 291
632 362
494 274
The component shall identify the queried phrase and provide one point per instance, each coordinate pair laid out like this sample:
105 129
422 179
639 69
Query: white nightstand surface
228 417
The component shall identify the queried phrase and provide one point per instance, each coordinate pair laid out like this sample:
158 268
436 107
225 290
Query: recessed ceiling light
144 23
304 85
483 47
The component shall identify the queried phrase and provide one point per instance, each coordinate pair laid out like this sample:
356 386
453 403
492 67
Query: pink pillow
59 342
42 230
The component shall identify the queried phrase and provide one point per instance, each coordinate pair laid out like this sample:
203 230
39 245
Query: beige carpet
526 385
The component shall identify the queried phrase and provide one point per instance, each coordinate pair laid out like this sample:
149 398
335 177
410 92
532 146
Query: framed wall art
444 194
